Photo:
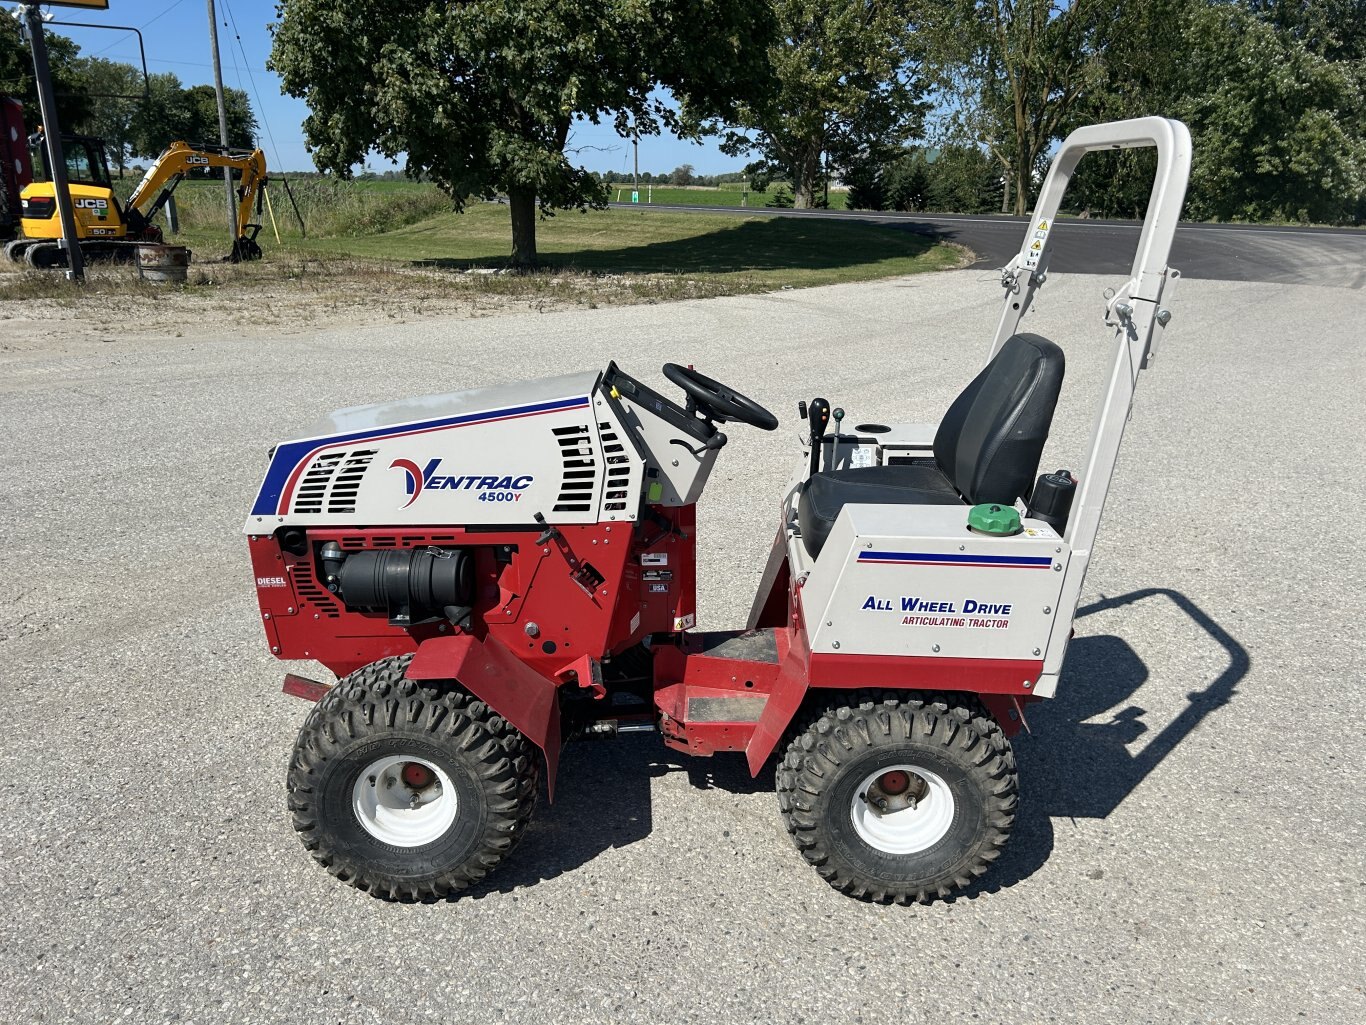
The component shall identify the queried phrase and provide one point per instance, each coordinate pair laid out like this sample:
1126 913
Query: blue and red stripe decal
292 458
956 559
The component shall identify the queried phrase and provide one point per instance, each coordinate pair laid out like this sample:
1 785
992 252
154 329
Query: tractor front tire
895 799
407 790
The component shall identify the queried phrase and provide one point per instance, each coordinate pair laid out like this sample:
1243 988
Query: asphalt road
1190 848
1221 252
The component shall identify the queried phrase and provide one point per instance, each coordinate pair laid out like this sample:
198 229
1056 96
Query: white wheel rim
906 830
397 813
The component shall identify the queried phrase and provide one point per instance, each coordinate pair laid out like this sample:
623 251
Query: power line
235 69
251 77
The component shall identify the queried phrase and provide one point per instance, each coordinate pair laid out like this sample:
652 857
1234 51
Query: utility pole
223 127
32 20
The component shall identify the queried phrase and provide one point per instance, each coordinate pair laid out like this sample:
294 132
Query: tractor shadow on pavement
603 801
1075 765
1091 747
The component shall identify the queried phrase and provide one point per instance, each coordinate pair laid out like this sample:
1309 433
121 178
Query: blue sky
176 35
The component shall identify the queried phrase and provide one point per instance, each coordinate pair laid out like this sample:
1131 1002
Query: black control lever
819 416
716 441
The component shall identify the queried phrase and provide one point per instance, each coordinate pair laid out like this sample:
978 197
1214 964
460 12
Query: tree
964 180
1332 29
202 103
681 175
16 75
114 89
866 187
173 112
1143 53
907 181
481 95
951 179
163 117
845 79
1276 127
1014 68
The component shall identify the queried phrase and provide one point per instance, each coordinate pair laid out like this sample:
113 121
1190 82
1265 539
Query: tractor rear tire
407 790
894 798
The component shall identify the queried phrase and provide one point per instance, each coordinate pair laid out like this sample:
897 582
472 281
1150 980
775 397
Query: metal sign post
32 21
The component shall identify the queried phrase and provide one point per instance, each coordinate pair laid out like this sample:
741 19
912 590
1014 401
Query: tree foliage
951 179
1274 93
16 74
481 96
110 99
1014 69
172 112
1277 126
114 89
845 84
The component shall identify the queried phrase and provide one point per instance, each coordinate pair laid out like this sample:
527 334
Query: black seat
987 447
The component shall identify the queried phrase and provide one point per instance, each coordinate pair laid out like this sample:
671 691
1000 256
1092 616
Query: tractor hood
426 459
425 408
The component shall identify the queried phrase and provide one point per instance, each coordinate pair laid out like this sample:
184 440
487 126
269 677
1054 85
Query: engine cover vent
618 468
579 478
346 482
332 481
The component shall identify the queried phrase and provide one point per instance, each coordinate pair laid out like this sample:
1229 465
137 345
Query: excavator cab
86 161
98 214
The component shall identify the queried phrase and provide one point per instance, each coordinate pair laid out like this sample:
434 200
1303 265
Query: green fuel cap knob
1001 520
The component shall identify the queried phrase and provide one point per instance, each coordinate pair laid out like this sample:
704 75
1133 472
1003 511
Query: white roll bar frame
1134 312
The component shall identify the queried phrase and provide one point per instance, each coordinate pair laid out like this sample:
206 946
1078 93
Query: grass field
762 250
411 223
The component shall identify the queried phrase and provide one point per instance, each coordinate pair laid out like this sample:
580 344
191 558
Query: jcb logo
92 204
201 161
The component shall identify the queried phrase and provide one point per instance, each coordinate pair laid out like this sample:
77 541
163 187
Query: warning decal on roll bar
1036 244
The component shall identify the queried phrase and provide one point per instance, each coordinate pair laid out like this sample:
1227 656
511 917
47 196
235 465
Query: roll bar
1134 313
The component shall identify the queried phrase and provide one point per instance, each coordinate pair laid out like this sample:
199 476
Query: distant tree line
1274 92
683 175
916 104
135 116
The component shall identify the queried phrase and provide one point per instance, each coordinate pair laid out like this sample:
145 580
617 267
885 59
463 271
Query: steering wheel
718 402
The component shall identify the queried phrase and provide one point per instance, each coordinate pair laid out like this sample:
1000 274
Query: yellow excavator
108 229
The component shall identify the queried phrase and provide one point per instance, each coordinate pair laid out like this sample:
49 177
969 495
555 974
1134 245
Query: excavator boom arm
178 159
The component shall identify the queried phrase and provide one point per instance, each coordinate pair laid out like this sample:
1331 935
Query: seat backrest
990 441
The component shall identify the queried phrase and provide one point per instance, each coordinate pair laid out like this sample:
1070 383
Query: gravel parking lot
1191 843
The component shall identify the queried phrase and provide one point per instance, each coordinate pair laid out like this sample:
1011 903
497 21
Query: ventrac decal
293 457
972 613
491 487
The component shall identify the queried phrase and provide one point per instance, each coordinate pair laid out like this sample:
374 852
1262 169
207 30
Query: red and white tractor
493 571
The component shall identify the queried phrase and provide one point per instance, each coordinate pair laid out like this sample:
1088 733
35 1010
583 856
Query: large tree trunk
807 172
1024 182
522 202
